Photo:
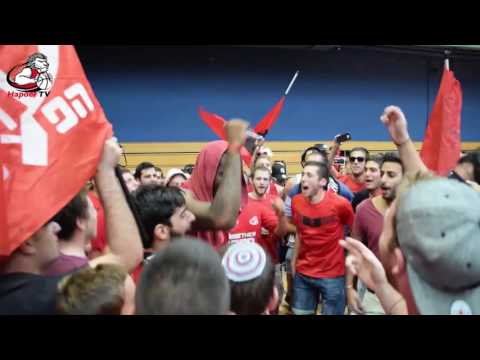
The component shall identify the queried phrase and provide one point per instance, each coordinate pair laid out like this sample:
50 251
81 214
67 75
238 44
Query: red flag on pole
214 122
267 122
52 132
442 144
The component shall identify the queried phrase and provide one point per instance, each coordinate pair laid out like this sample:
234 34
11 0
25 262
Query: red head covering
201 185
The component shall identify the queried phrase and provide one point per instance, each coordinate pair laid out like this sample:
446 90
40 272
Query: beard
259 192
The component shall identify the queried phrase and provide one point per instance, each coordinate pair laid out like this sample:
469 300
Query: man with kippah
251 274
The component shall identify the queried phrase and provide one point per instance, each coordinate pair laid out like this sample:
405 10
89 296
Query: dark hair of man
92 291
314 150
474 159
392 157
156 204
322 170
142 166
362 149
188 169
252 297
67 217
377 158
185 278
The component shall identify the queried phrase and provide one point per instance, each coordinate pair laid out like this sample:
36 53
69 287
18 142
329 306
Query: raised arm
123 237
396 124
362 262
222 212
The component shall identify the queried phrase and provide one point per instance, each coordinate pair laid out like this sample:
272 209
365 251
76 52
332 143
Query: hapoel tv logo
64 112
31 77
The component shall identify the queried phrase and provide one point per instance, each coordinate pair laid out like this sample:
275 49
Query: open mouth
305 187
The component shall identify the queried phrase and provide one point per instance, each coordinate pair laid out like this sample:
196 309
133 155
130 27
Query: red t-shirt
249 224
268 240
135 274
320 227
99 243
368 225
352 184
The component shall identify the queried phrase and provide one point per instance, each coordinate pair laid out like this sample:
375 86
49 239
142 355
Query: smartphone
343 137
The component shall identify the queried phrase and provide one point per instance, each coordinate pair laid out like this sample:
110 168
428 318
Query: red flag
214 122
52 132
267 122
441 146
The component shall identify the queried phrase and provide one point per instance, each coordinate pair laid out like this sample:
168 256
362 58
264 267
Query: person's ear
81 224
161 232
323 182
28 247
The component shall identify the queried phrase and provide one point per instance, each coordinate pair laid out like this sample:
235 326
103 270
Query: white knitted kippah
244 261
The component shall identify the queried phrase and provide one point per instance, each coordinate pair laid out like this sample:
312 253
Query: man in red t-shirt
357 160
355 180
262 214
319 260
263 220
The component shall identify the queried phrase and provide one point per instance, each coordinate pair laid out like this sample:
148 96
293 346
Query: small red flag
267 122
442 144
52 132
214 122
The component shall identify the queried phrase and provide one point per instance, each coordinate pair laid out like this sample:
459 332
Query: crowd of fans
234 234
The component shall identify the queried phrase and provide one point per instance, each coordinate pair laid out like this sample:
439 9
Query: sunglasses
359 159
264 153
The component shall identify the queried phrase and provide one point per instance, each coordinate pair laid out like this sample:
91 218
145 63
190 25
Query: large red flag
267 122
49 145
442 144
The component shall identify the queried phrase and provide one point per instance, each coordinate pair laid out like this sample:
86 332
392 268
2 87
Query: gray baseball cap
438 229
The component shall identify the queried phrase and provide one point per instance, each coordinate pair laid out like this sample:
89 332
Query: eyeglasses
359 159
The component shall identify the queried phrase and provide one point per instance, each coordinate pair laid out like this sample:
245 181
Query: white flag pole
447 61
291 82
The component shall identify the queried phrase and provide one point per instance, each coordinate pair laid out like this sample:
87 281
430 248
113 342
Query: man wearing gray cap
429 249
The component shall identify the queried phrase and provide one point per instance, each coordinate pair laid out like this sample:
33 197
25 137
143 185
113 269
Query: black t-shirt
358 197
28 294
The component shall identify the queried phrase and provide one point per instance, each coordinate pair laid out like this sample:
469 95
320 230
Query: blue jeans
307 291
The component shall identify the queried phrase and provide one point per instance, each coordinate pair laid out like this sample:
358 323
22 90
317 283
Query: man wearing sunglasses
357 161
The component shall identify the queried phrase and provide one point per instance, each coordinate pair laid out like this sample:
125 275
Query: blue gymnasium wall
151 93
